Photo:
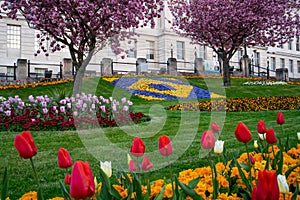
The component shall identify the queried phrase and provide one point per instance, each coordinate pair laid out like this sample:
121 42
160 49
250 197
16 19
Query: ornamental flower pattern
161 88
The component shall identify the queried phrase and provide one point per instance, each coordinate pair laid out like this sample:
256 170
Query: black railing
47 73
7 76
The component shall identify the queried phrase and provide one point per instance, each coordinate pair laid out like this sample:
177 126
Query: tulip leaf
245 194
175 188
193 183
295 194
188 190
161 193
4 184
280 164
137 187
40 194
287 173
115 193
245 180
64 191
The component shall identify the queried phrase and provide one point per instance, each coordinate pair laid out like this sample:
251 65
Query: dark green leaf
287 173
4 184
245 180
193 183
295 194
161 193
64 191
189 191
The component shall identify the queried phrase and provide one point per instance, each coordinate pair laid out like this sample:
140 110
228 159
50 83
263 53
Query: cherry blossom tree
226 25
83 26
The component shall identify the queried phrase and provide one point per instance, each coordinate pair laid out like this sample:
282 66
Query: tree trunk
78 79
226 73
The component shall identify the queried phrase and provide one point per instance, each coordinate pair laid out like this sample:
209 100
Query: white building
17 41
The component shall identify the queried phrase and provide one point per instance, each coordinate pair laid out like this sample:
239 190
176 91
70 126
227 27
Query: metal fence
47 72
8 75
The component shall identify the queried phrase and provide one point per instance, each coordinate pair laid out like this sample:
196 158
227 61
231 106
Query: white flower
298 134
106 167
255 144
282 184
128 158
262 136
218 149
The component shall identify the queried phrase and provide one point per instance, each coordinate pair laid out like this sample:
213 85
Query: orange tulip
82 181
25 145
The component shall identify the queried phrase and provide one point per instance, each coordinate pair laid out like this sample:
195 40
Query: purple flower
123 100
7 113
62 109
125 108
45 110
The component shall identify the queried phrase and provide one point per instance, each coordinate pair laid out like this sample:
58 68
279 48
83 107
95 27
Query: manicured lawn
184 128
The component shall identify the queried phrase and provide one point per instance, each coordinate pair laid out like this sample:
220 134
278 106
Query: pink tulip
208 140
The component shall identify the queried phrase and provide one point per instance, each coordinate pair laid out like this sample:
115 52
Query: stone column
22 69
67 66
141 65
172 66
199 66
245 62
106 66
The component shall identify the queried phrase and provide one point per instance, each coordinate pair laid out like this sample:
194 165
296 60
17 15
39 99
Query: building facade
18 41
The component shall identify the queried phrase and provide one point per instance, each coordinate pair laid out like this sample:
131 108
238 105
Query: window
150 50
282 63
298 43
40 71
131 49
180 50
273 63
256 59
202 52
13 36
291 66
290 44
298 67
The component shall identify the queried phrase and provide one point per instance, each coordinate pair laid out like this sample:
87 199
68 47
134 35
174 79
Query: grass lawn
185 129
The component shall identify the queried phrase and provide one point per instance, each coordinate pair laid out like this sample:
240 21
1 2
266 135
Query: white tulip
106 167
219 146
282 184
262 136
255 144
298 134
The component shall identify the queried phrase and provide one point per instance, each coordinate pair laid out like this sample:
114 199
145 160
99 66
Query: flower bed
270 172
242 104
161 88
81 112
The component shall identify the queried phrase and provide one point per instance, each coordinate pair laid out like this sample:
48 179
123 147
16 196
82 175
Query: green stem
249 162
40 196
171 173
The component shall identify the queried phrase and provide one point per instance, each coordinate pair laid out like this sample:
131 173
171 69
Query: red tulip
261 127
165 145
25 145
280 118
67 179
242 133
208 140
214 127
64 158
146 164
137 147
270 136
253 193
267 186
132 166
82 182
252 160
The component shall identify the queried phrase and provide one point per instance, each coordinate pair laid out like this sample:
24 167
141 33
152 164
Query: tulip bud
64 159
219 146
270 136
255 144
298 134
280 118
137 147
242 133
132 166
146 164
165 145
261 127
106 167
215 127
82 184
282 184
25 145
208 140
252 160
67 179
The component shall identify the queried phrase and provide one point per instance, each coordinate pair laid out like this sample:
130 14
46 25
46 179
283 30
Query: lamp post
268 69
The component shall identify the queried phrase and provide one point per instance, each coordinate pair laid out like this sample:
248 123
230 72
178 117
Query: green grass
184 128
